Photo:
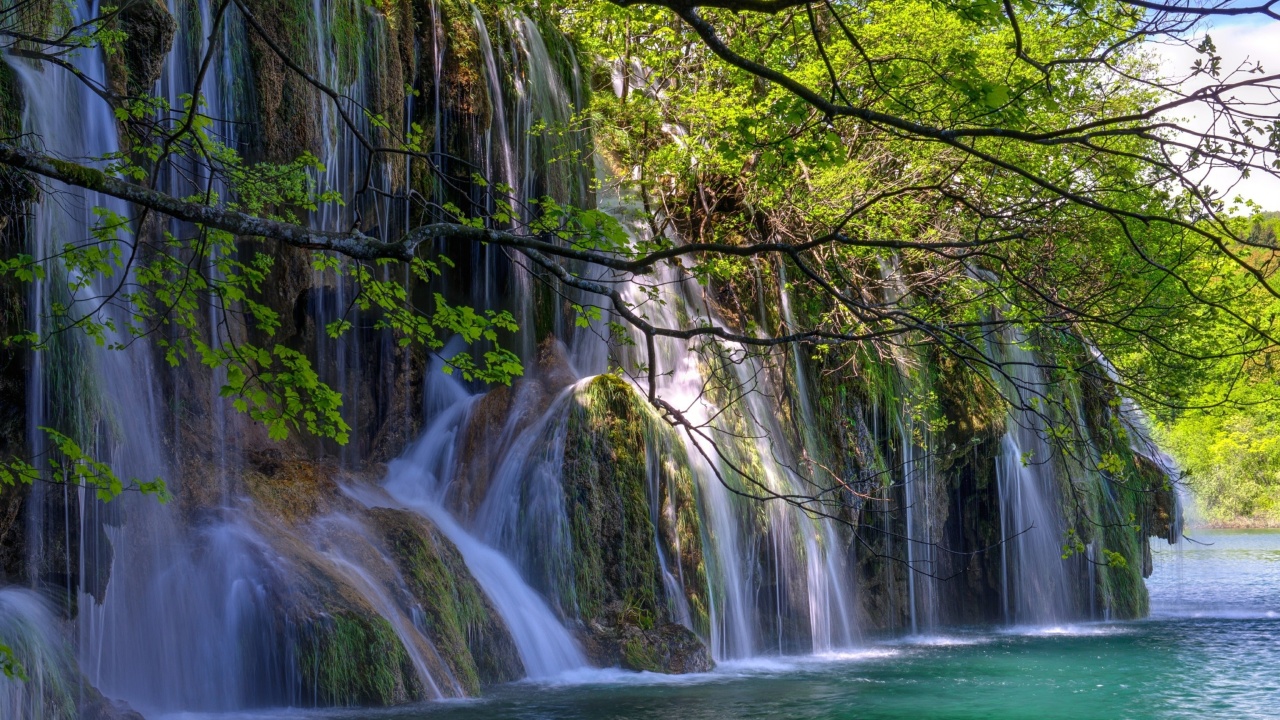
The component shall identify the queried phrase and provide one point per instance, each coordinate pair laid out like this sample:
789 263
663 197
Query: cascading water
1035 577
211 606
49 688
348 41
810 577
145 636
915 474
920 538
804 404
1137 427
178 628
420 480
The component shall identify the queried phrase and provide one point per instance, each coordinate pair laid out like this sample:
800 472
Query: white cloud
1251 40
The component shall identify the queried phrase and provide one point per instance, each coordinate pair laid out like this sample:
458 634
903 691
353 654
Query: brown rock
150 29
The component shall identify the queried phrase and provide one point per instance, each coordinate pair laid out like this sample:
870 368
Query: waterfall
918 507
807 421
349 43
211 602
804 557
186 619
49 688
1137 426
915 452
148 635
1036 587
420 480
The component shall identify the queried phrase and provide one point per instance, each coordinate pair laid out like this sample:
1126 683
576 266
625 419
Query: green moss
79 175
612 437
1121 586
11 101
970 403
463 627
347 27
1119 508
605 471
348 659
283 96
639 655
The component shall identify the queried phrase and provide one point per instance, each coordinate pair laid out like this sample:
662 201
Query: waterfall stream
164 631
420 479
1035 586
810 573
49 689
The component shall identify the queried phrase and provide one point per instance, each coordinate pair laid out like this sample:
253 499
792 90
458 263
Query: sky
1237 40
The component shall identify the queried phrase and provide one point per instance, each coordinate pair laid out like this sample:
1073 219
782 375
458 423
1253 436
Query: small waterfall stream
1035 578
914 471
805 555
420 481
30 627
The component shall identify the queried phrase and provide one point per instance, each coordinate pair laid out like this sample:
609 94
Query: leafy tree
928 175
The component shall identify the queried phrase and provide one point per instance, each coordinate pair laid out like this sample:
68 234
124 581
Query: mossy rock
282 96
290 486
622 638
463 625
669 648
337 648
11 101
604 476
354 659
611 439
149 31
975 412
95 706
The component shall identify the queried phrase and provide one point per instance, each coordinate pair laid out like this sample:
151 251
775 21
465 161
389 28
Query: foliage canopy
929 174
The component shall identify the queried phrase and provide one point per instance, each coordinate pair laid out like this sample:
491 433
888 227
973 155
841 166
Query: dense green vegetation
921 182
952 214
1090 239
1231 458
1013 163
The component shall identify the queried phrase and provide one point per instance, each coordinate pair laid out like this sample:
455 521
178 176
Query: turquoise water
1211 649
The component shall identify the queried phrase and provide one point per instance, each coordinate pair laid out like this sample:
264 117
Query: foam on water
1072 630
939 640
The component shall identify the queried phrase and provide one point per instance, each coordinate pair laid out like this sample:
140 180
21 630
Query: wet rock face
282 96
15 191
149 30
98 707
465 627
618 590
624 638
498 417
290 486
670 648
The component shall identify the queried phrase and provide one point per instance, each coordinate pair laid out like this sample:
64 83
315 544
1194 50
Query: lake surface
1211 649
